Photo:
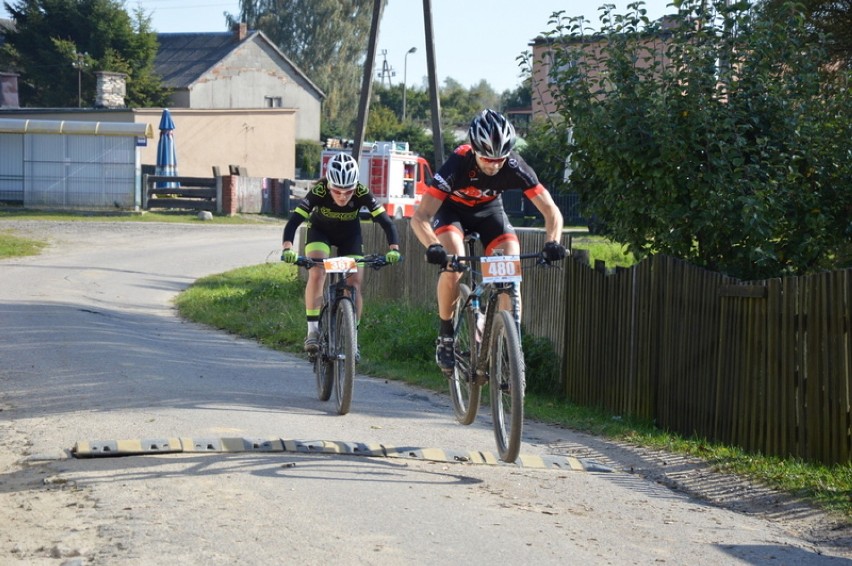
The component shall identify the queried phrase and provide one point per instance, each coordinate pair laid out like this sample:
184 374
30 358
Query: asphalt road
92 351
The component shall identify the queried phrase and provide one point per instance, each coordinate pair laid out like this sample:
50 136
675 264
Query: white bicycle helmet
342 171
491 135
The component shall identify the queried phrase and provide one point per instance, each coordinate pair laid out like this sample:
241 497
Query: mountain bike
334 361
488 344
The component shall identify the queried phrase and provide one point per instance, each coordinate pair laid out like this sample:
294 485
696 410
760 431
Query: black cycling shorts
346 237
490 221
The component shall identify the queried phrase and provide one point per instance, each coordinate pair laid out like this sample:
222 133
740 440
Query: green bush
542 366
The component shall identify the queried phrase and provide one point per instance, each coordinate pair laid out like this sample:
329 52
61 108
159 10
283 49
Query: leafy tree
54 39
521 97
382 123
543 151
732 151
327 39
830 17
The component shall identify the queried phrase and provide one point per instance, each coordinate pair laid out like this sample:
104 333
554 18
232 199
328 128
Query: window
273 101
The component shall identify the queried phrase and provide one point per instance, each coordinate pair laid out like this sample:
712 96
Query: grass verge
14 246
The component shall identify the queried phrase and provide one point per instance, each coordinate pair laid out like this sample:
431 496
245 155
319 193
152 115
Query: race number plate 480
501 269
339 264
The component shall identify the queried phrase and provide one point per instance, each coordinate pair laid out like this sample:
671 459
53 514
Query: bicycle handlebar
374 261
457 262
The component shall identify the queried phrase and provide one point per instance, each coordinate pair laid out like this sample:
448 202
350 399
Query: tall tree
327 39
57 45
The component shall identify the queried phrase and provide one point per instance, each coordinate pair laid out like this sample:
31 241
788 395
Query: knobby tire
343 354
464 392
323 367
506 368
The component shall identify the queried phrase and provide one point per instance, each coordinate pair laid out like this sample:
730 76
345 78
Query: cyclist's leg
448 228
316 247
448 282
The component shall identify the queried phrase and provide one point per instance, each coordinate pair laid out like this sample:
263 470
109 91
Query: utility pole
367 81
405 79
434 95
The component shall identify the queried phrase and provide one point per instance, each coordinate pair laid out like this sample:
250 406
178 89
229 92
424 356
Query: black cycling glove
436 254
553 251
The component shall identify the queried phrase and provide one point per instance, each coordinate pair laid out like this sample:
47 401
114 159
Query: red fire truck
397 176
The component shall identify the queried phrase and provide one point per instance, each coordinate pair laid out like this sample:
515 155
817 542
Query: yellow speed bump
216 445
129 447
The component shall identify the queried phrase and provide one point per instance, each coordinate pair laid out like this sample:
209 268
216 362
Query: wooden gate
194 193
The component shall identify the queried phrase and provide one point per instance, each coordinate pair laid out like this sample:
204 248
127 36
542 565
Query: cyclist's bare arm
553 222
421 222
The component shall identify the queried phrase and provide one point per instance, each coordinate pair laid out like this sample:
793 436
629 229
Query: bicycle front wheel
323 368
464 390
506 368
343 354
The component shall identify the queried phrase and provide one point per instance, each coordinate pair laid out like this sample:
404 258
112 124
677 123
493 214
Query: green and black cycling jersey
335 224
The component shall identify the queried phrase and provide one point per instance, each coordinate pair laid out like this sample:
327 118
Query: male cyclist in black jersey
332 207
465 195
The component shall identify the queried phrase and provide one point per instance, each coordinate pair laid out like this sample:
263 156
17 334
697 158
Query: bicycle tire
343 354
506 368
323 369
465 392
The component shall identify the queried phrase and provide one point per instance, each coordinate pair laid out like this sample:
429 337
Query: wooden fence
764 365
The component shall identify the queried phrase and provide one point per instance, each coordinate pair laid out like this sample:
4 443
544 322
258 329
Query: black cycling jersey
471 199
338 224
460 181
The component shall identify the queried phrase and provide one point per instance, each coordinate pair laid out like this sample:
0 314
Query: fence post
145 191
218 194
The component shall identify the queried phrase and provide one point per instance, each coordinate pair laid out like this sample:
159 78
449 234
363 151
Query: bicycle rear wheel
463 388
506 368
343 354
323 368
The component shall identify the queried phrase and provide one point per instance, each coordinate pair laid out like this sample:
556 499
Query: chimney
110 89
9 90
241 31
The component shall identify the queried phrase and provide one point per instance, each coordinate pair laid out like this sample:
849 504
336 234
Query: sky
474 39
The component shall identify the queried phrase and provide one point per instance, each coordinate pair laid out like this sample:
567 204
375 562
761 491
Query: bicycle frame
487 344
491 293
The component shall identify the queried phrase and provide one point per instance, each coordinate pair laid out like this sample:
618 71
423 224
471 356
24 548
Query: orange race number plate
501 269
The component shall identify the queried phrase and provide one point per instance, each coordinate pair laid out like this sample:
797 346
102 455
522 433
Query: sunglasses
492 160
342 192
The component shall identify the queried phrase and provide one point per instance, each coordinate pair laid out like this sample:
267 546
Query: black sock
446 327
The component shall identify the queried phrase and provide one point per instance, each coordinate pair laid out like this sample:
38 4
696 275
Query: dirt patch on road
700 480
45 520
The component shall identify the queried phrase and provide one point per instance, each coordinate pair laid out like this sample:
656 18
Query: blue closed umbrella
166 155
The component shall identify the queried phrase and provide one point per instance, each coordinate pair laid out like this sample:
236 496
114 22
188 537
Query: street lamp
405 79
80 64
